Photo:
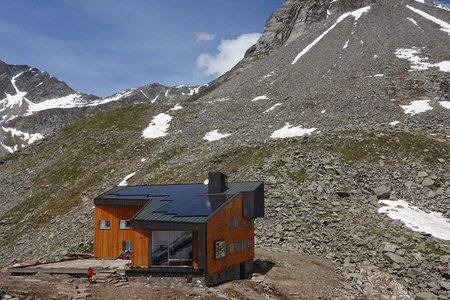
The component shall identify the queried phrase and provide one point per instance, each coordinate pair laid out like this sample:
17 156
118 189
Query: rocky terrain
339 105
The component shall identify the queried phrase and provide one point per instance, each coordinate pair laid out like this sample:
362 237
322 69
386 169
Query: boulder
426 296
393 258
382 192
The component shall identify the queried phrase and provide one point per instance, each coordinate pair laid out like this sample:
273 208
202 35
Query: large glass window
171 248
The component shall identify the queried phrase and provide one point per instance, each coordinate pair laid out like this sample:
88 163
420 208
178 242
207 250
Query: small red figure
90 273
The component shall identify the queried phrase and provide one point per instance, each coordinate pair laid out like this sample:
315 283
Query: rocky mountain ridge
351 112
35 104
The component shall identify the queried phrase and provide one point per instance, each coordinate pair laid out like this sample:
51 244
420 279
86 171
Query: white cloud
230 52
204 36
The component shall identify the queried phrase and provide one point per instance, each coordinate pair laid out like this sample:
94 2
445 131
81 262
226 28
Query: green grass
394 146
79 159
84 155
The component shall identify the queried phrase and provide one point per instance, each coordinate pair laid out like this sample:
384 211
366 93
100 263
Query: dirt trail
280 275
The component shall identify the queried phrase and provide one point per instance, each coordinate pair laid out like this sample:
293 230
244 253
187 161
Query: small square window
104 224
124 224
249 244
237 247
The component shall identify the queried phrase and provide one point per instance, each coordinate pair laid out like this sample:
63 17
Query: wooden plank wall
139 258
218 229
108 242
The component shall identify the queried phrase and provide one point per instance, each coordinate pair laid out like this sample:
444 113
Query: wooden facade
220 217
218 228
108 242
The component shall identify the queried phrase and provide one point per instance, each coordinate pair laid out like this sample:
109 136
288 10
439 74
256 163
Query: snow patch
9 149
323 111
69 101
17 98
268 75
445 104
263 97
442 7
413 21
378 75
116 97
157 127
215 136
417 107
356 14
273 107
420 63
290 131
176 107
345 45
144 94
218 100
444 25
125 179
393 123
27 138
154 99
416 219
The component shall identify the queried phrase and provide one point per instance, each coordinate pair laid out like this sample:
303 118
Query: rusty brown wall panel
218 229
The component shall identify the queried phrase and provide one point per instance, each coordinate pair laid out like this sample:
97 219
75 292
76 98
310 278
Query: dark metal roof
186 203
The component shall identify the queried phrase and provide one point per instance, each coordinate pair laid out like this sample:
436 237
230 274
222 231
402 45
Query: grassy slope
77 160
86 154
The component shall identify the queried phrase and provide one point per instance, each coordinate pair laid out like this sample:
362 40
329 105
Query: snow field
215 135
417 107
289 131
416 219
158 126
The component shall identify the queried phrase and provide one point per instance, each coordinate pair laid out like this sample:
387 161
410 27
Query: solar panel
179 200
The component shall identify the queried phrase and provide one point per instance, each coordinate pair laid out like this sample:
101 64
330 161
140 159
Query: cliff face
294 17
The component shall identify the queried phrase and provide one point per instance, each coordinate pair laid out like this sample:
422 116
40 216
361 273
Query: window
219 249
233 222
104 224
231 248
171 248
236 247
124 224
249 244
126 246
243 245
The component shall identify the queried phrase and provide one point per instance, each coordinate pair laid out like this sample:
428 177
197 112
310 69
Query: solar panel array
183 200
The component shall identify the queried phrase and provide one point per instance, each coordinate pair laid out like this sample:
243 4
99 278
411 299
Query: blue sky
106 46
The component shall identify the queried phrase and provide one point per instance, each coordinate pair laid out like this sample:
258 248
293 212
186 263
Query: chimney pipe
217 182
